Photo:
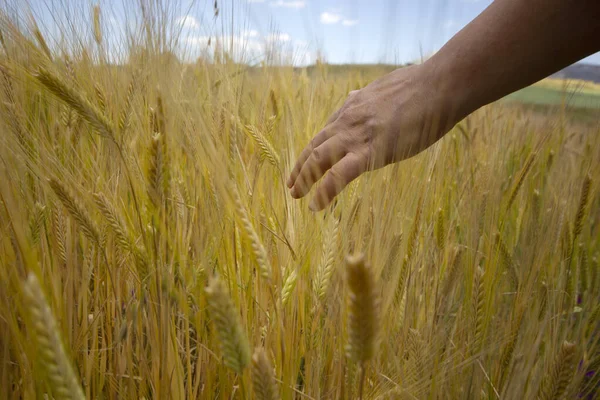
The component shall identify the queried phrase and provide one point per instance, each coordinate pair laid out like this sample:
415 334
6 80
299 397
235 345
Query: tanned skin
510 45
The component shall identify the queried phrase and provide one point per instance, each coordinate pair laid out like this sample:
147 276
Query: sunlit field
149 247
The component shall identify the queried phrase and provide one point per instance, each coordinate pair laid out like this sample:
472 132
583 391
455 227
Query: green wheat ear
288 287
230 333
62 378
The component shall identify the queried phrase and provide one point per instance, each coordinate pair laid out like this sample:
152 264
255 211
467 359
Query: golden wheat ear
363 310
76 210
230 332
53 358
263 380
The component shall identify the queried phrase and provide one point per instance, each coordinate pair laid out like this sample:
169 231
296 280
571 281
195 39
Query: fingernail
312 206
289 182
294 192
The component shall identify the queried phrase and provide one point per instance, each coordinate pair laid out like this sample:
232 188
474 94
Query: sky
336 31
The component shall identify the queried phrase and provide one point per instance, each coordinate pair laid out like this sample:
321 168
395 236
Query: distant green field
550 96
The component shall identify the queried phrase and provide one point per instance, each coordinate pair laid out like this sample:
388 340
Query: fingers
339 176
321 159
320 138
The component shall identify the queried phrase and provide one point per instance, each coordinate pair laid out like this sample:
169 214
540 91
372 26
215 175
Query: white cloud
250 33
289 3
278 37
249 45
256 1
330 18
349 22
188 22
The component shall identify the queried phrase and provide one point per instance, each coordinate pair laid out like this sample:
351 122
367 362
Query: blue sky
367 31
351 31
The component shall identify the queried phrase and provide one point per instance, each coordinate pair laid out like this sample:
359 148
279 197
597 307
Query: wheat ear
97 29
558 377
478 309
100 97
410 250
76 210
288 287
507 261
76 101
62 378
158 173
257 247
363 310
583 202
327 266
41 41
263 380
125 114
230 333
440 230
266 150
520 179
37 221
124 239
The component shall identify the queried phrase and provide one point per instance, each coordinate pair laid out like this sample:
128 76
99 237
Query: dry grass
128 190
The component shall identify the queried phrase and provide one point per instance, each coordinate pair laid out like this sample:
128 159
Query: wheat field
149 247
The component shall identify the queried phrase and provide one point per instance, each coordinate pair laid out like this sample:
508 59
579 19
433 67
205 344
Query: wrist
449 89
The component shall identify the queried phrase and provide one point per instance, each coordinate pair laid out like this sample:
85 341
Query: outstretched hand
391 119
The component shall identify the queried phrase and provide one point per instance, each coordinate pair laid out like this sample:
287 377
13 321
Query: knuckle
345 115
371 124
336 175
317 154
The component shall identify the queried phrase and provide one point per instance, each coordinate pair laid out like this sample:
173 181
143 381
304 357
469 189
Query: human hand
391 119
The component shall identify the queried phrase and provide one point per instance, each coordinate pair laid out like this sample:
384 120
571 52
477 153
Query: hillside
581 71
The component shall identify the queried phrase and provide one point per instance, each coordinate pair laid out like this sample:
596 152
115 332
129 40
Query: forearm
513 44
